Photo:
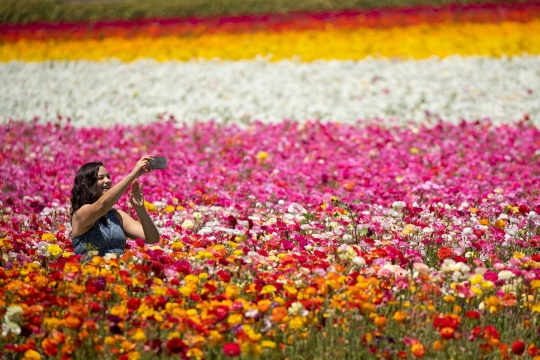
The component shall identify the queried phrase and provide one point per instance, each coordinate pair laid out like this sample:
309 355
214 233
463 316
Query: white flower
347 238
295 208
505 275
251 313
427 230
467 231
10 327
110 256
159 204
139 91
197 216
188 224
359 261
398 205
13 314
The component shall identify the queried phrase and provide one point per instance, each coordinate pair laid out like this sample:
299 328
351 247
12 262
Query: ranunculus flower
176 345
518 347
231 350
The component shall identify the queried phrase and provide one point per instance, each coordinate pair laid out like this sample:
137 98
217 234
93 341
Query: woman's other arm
146 229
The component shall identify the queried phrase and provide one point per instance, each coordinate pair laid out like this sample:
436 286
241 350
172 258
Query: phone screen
159 162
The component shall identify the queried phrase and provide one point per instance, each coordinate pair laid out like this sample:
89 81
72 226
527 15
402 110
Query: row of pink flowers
287 162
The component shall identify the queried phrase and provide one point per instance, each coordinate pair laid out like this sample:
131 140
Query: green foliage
28 11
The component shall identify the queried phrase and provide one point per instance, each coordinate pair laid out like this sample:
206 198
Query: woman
95 225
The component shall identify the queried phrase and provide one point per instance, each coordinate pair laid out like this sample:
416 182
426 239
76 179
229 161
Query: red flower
535 241
524 209
445 322
134 303
471 314
518 347
176 345
223 275
231 350
447 333
490 332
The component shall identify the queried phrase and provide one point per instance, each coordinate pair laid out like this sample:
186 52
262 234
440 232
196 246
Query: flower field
358 184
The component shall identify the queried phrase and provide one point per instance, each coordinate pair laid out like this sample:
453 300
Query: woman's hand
142 166
136 197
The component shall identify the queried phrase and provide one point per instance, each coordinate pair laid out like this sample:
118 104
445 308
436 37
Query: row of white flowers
101 93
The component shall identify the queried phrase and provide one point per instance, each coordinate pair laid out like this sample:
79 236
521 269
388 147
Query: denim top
105 239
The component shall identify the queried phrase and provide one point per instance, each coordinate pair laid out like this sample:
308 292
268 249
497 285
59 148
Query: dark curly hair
84 188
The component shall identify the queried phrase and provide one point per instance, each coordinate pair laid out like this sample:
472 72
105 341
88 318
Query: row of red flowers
382 18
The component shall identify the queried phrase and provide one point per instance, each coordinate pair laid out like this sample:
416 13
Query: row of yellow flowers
421 41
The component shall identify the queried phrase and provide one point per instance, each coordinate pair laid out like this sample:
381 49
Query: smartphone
159 162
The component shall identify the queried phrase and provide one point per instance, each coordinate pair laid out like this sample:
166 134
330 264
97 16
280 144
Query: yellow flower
268 344
177 245
169 209
174 335
188 289
204 255
215 336
139 335
492 303
268 289
476 279
263 155
253 336
418 42
149 206
51 323
48 237
195 353
119 310
235 319
535 284
54 250
32 355
296 323
134 355
251 349
449 298
191 279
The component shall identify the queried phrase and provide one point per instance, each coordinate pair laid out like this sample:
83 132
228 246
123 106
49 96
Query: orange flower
278 313
264 305
400 316
418 350
380 321
444 253
79 311
438 345
49 346
72 322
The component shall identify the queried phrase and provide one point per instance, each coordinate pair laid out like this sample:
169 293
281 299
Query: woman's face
103 182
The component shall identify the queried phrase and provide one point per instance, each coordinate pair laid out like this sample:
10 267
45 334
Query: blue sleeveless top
105 239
